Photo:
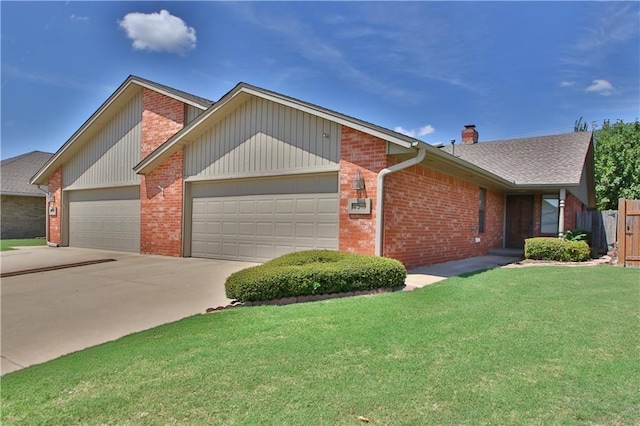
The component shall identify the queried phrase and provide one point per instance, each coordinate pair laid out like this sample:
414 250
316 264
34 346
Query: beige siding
191 113
108 158
263 137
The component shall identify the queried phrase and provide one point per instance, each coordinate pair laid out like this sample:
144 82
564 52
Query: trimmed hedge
549 248
314 272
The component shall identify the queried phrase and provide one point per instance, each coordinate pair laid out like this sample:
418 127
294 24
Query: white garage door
105 219
265 219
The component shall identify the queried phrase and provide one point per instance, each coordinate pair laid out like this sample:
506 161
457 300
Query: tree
617 163
579 126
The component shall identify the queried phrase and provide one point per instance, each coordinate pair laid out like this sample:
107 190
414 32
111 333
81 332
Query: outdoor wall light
358 181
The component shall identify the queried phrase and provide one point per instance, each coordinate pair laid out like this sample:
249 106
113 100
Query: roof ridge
555 135
179 92
21 156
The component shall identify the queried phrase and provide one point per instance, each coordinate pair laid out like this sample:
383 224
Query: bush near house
549 248
314 272
577 235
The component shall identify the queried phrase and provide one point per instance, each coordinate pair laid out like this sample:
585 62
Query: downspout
422 153
46 213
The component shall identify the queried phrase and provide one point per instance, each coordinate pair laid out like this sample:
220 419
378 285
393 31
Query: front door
519 220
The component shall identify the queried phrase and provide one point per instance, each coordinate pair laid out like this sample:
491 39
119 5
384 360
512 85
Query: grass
537 345
6 245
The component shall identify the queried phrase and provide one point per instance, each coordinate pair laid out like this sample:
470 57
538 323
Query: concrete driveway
49 314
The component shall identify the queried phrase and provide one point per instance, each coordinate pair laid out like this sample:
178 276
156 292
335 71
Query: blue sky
514 69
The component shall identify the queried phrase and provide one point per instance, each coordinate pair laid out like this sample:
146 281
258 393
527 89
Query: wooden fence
609 227
603 226
629 233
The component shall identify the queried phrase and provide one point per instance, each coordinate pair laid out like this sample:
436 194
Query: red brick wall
162 117
367 154
161 210
431 217
55 189
537 214
572 206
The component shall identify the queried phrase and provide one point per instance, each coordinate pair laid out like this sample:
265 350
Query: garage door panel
284 207
306 206
327 206
304 230
327 231
264 229
261 227
97 219
199 207
246 229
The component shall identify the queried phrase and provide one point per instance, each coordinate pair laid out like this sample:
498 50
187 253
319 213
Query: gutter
46 213
422 153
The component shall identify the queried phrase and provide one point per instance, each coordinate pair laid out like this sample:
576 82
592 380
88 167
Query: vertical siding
191 113
108 158
263 136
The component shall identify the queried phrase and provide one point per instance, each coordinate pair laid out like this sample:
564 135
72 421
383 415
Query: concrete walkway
426 275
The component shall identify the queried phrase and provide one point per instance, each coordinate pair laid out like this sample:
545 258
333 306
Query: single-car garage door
105 218
259 219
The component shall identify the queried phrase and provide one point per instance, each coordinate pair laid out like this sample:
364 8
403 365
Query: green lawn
540 345
6 245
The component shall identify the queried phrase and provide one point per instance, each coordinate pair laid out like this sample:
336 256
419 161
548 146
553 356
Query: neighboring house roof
106 111
17 171
541 160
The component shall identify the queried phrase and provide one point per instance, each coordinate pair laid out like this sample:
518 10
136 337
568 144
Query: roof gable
17 171
544 160
127 90
239 95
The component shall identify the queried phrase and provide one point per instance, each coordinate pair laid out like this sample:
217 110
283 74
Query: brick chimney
469 134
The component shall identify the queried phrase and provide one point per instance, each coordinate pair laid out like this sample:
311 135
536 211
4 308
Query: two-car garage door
241 219
259 219
105 218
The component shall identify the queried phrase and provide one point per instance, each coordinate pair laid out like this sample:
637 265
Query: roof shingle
541 160
17 171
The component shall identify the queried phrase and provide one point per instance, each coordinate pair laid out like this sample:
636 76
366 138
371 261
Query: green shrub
577 235
314 272
549 248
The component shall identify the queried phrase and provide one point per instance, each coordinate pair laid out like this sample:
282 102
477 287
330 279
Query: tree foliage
617 163
580 126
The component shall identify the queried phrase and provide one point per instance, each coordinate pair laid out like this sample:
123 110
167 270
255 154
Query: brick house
258 174
22 204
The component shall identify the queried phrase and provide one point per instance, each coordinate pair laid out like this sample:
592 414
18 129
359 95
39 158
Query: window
549 214
482 200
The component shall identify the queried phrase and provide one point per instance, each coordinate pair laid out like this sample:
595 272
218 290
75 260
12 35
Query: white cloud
422 131
601 87
75 17
567 83
426 130
159 32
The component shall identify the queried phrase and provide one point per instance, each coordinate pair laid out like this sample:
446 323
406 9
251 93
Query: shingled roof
204 102
17 171
541 160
